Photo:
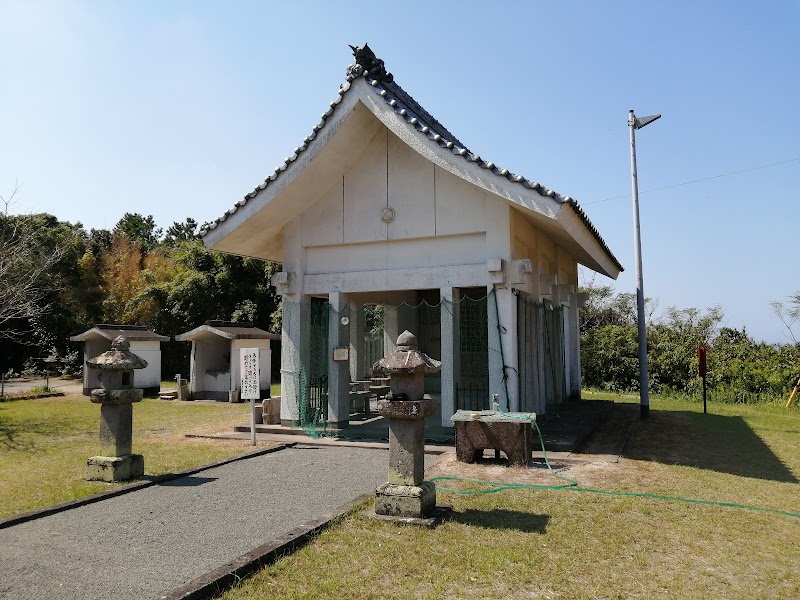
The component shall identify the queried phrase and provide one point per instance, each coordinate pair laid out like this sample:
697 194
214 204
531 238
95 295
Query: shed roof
227 330
384 91
134 333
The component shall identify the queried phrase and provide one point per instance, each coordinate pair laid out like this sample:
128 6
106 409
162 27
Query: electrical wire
674 185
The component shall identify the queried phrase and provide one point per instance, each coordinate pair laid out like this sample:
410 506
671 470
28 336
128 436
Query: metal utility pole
644 394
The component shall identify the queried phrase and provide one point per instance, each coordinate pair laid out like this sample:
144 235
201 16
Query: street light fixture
635 123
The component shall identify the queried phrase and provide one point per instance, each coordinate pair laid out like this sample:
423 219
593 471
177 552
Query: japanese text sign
250 374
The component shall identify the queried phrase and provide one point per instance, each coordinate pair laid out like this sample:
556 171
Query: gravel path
151 541
68 386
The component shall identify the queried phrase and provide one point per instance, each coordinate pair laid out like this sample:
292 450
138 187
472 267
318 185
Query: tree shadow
10 430
503 519
725 444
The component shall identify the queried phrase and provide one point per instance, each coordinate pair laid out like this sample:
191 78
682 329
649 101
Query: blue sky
178 109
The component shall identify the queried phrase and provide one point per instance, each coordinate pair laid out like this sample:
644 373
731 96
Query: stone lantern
116 396
406 495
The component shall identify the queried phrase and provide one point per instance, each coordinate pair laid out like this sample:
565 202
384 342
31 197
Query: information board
250 374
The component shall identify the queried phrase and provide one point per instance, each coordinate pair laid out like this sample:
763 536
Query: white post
358 366
503 328
338 371
644 394
391 329
450 352
573 347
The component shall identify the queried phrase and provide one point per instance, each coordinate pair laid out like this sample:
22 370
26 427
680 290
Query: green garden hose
573 486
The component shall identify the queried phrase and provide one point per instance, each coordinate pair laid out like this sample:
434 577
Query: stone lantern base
114 468
413 501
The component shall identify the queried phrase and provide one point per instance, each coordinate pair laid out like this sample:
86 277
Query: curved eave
206 332
392 106
112 334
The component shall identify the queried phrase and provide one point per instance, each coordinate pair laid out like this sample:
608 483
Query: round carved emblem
387 214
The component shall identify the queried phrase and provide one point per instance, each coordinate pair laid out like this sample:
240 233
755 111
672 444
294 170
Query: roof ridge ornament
368 64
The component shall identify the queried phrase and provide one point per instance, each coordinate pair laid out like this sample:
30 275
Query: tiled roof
228 330
415 115
135 333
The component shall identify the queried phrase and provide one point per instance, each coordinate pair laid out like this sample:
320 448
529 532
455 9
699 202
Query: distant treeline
738 368
57 280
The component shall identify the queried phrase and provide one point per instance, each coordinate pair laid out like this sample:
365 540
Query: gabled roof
134 333
395 98
227 330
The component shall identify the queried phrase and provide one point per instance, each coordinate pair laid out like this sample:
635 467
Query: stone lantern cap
119 358
407 358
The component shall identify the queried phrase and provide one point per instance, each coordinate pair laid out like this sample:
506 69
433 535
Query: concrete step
274 429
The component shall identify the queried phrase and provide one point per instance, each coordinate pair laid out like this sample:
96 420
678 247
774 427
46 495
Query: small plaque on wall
341 354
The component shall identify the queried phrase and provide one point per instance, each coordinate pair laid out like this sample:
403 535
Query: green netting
313 382
540 339
467 329
472 364
373 336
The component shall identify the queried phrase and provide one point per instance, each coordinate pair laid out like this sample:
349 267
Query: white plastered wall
210 366
150 376
441 234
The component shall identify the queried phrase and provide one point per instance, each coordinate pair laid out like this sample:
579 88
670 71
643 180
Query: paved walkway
68 386
152 541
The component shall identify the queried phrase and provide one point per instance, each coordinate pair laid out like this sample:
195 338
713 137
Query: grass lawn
532 543
44 444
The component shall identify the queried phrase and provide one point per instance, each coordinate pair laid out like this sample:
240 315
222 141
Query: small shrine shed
382 206
214 363
143 342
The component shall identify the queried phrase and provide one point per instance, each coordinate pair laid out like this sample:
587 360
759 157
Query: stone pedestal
116 463
408 501
405 494
114 468
116 398
406 497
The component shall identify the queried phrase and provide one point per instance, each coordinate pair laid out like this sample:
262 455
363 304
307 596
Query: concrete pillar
358 366
193 374
295 354
451 344
338 371
391 329
234 381
558 356
566 335
506 313
573 352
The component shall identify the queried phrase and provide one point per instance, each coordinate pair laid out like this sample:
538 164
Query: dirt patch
599 462
587 470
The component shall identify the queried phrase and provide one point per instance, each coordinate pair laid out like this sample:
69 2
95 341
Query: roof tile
408 108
